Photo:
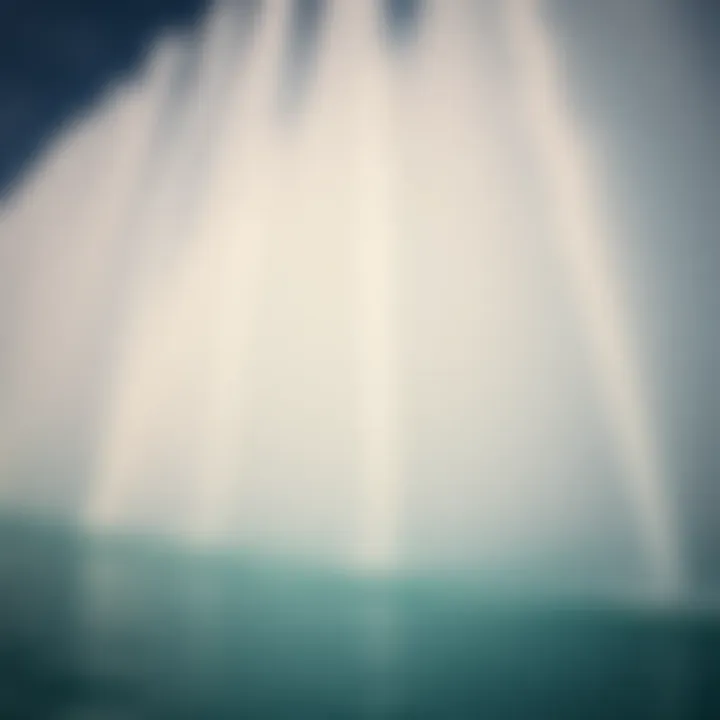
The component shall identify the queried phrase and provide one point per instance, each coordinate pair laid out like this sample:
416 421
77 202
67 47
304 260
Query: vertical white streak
582 236
161 348
375 236
139 379
63 215
233 232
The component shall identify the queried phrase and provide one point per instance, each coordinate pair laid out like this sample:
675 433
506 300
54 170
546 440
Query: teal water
134 630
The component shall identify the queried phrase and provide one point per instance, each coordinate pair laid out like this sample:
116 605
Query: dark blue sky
57 55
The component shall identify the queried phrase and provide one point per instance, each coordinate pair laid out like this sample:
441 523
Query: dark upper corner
56 56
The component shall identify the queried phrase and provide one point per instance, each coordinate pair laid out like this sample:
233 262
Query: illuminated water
134 630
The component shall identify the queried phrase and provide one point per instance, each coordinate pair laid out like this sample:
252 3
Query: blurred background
357 359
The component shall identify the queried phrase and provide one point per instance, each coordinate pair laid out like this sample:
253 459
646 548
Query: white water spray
582 240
